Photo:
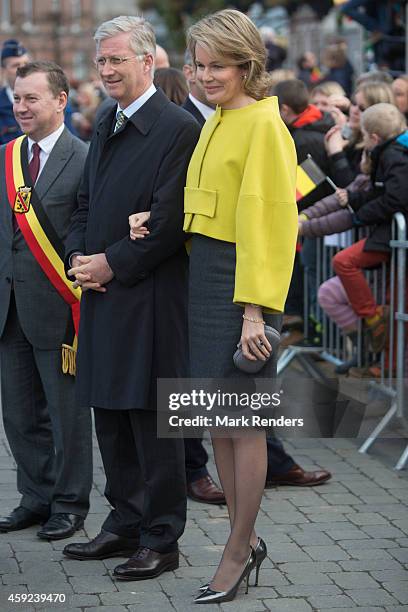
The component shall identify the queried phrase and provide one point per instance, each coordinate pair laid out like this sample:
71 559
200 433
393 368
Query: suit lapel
56 162
6 212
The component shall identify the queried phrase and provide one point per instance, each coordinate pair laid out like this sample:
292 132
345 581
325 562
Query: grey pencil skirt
215 322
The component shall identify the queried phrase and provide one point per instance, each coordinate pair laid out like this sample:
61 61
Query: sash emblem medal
22 201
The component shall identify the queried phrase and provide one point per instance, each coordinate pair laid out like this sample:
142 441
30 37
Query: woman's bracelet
252 320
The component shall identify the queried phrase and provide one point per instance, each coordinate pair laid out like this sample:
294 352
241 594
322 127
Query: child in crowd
386 138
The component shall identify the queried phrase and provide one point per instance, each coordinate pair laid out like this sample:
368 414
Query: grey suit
49 437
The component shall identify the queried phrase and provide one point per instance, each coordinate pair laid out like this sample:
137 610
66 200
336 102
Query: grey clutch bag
252 367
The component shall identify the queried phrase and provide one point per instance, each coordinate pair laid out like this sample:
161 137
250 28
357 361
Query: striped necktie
120 120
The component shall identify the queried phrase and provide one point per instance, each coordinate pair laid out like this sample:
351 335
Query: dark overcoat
137 330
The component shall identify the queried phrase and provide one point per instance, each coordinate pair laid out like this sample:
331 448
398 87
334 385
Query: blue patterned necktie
120 120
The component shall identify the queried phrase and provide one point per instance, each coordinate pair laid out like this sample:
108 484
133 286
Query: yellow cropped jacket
241 188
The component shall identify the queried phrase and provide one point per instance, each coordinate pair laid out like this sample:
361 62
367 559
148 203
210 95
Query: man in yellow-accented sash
49 437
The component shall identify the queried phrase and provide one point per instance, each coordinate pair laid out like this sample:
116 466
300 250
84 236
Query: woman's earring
244 76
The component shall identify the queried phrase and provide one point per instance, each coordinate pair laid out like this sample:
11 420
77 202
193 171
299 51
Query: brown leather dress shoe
103 546
298 477
145 564
205 490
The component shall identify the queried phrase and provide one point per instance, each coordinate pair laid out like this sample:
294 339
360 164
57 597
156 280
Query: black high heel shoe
210 596
261 553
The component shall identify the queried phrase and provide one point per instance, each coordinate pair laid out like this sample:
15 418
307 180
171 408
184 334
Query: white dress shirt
205 110
138 103
46 145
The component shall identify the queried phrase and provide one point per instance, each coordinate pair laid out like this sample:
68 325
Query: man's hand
91 272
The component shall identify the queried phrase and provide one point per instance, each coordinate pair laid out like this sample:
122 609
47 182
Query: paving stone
390 511
105 609
383 531
315 539
368 544
371 596
287 605
366 518
370 565
92 584
328 526
399 589
244 605
84 568
309 579
347 534
390 575
294 517
80 601
182 605
371 553
401 554
401 524
354 580
331 601
310 567
8 566
287 552
340 498
131 597
326 553
359 609
326 517
303 590
263 592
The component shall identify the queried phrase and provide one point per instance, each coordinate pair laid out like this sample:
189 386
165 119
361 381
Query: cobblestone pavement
337 547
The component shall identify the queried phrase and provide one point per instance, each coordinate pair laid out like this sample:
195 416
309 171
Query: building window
28 11
5 12
76 14
79 65
76 10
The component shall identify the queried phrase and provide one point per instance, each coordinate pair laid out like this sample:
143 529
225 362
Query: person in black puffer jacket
386 136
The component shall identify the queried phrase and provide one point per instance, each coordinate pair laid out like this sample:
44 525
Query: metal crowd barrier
395 384
333 347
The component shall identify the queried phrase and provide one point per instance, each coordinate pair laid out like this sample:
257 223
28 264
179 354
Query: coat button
8 279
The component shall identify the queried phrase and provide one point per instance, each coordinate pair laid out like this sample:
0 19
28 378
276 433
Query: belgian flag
309 176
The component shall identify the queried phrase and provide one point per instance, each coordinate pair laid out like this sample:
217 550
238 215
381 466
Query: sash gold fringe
69 358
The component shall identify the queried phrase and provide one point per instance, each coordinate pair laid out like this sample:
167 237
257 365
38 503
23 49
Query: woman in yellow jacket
241 212
240 209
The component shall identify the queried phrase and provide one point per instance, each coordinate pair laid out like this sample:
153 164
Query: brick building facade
60 30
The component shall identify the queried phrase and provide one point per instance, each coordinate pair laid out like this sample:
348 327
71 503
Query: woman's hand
333 140
137 227
253 340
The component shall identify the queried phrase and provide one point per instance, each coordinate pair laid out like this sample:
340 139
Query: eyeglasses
101 61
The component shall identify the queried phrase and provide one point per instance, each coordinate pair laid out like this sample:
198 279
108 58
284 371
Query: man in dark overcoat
134 308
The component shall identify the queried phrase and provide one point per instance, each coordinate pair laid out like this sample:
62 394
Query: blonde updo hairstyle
230 36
